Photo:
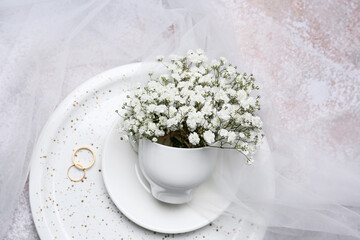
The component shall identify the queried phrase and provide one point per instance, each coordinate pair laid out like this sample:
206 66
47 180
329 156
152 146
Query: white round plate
84 210
121 179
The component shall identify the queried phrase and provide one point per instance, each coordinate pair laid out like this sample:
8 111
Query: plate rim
35 167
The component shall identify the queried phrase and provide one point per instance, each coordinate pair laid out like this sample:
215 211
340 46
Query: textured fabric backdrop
309 51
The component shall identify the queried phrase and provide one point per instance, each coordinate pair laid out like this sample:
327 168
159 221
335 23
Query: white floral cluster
196 104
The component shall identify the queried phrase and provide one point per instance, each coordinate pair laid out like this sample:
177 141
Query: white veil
304 55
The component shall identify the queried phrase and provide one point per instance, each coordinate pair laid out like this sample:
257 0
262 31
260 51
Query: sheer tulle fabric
304 185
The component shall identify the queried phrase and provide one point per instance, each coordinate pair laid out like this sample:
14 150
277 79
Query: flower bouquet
195 104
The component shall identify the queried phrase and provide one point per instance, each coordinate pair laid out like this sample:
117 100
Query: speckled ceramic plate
83 210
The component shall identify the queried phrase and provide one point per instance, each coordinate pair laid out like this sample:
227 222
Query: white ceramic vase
174 173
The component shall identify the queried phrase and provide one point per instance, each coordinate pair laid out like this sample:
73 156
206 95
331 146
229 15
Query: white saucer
134 200
63 209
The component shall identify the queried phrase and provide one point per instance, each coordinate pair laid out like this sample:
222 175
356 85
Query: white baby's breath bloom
247 117
223 132
134 102
164 77
183 84
162 120
142 130
159 132
176 76
151 108
152 127
145 98
194 70
140 115
198 89
203 58
207 125
241 95
215 63
194 118
221 96
199 117
216 122
202 70
250 160
172 111
253 135
184 110
209 137
231 137
185 92
199 51
251 101
126 124
252 149
222 82
172 67
160 58
160 109
194 58
207 109
190 52
244 148
242 135
191 123
231 92
237 118
223 60
208 78
174 57
197 96
194 138
231 70
155 95
256 121
137 109
153 84
224 114
172 122
180 99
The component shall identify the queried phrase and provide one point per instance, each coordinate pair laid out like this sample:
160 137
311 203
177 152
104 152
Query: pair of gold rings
79 165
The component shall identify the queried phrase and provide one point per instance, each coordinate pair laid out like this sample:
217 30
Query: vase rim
185 149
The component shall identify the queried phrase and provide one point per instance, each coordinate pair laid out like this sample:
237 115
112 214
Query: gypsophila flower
209 137
160 58
195 103
194 138
231 137
223 132
231 70
223 60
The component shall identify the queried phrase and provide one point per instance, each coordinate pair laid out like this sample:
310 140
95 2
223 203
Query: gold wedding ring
76 164
81 167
